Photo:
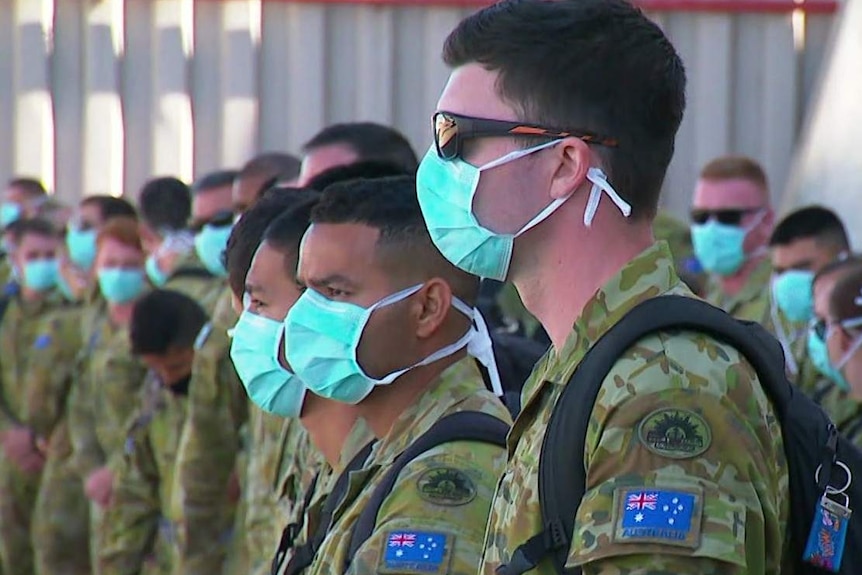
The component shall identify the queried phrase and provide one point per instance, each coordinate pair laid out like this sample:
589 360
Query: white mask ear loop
601 184
480 346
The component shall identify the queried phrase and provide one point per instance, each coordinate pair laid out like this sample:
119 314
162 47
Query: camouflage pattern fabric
206 458
753 302
21 340
440 500
60 516
681 424
193 279
359 437
281 466
104 395
138 524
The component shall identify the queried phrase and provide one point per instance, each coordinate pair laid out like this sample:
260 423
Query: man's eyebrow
253 288
331 279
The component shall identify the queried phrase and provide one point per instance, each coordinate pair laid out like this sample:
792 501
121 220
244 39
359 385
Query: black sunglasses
728 217
451 130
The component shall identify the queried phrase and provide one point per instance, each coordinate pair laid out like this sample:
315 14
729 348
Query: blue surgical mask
210 243
720 248
82 247
121 285
447 189
793 293
819 354
9 214
322 338
41 275
254 350
157 277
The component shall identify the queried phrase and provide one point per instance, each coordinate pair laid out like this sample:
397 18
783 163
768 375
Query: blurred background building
97 96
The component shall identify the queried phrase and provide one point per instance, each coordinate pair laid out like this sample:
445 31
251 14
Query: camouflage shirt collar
649 275
753 288
458 383
360 436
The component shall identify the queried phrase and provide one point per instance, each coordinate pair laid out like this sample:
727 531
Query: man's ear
432 306
573 158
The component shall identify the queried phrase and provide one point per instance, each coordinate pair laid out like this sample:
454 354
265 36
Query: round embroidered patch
446 486
675 433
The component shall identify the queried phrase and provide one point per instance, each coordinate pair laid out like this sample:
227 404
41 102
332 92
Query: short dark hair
271 165
811 222
735 167
845 302
369 169
166 204
595 65
248 232
839 265
31 187
32 226
370 141
164 320
285 233
390 205
214 180
110 207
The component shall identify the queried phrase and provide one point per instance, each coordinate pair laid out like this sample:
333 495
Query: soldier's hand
99 486
19 445
33 463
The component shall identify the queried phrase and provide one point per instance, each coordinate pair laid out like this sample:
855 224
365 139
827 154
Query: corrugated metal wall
98 95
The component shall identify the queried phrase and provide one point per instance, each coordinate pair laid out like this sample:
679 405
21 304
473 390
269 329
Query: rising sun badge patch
675 433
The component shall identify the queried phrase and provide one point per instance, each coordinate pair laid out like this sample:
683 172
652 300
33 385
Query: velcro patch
416 552
663 516
42 341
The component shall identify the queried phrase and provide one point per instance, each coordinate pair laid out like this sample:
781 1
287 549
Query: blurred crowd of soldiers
143 432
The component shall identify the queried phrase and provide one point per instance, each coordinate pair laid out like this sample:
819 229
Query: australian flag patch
648 515
416 552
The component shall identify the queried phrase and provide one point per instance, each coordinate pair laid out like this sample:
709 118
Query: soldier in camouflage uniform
60 515
335 436
167 331
844 341
803 244
108 377
77 269
367 242
588 258
831 390
21 340
276 451
732 223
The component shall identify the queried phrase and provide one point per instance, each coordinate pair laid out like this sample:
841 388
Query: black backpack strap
291 531
304 554
461 426
562 484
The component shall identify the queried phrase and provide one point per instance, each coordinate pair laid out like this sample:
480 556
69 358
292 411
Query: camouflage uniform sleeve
206 458
131 521
441 503
87 453
50 372
684 471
